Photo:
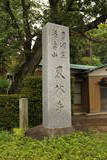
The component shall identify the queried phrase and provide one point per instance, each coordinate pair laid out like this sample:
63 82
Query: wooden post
23 113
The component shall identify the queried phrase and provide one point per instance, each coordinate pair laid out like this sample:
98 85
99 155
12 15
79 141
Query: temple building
88 88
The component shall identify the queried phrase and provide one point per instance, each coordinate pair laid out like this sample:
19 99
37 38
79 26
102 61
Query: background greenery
9 105
21 33
3 84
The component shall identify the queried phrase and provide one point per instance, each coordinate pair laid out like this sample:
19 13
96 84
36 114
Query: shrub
77 146
9 111
93 60
3 84
9 105
32 86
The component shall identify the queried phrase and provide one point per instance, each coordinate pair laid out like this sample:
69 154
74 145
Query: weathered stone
40 132
56 77
23 113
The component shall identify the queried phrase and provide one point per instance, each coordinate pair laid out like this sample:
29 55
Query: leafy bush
93 60
9 111
3 85
77 146
32 86
9 105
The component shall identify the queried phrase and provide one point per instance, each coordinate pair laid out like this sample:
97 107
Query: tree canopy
22 22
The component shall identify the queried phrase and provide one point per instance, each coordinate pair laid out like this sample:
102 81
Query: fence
9 111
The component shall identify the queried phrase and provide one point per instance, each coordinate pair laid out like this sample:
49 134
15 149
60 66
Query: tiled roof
82 67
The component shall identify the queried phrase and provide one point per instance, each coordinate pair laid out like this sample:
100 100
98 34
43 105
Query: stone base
40 132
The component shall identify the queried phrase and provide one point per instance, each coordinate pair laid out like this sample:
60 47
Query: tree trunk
27 67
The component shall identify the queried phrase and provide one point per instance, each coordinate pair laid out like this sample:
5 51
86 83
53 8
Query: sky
44 1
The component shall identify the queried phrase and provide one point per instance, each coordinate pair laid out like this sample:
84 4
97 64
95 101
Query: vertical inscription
58 45
54 42
62 45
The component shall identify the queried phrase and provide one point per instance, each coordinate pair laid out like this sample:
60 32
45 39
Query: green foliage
93 60
9 111
100 48
74 14
32 86
9 105
35 111
77 146
13 29
18 132
3 85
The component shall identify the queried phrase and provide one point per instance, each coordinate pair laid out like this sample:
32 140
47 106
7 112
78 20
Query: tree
99 48
3 64
92 60
22 16
19 34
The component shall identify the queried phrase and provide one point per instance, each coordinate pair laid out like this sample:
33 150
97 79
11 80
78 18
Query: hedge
3 85
9 112
32 87
9 105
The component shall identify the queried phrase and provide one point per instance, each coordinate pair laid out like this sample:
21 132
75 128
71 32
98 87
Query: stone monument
56 77
56 83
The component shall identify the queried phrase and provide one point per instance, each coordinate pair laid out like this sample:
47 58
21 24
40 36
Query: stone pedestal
40 132
23 113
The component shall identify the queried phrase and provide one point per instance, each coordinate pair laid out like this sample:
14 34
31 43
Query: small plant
18 132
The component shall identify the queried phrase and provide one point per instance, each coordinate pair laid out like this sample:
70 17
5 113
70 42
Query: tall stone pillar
56 77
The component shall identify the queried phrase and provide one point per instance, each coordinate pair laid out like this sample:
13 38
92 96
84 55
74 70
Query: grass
77 146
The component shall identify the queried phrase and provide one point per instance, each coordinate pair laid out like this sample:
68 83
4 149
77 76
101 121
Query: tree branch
95 40
28 66
26 18
53 2
69 5
92 24
8 9
28 39
54 10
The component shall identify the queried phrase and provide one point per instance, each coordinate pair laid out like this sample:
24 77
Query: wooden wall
84 106
85 95
94 93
